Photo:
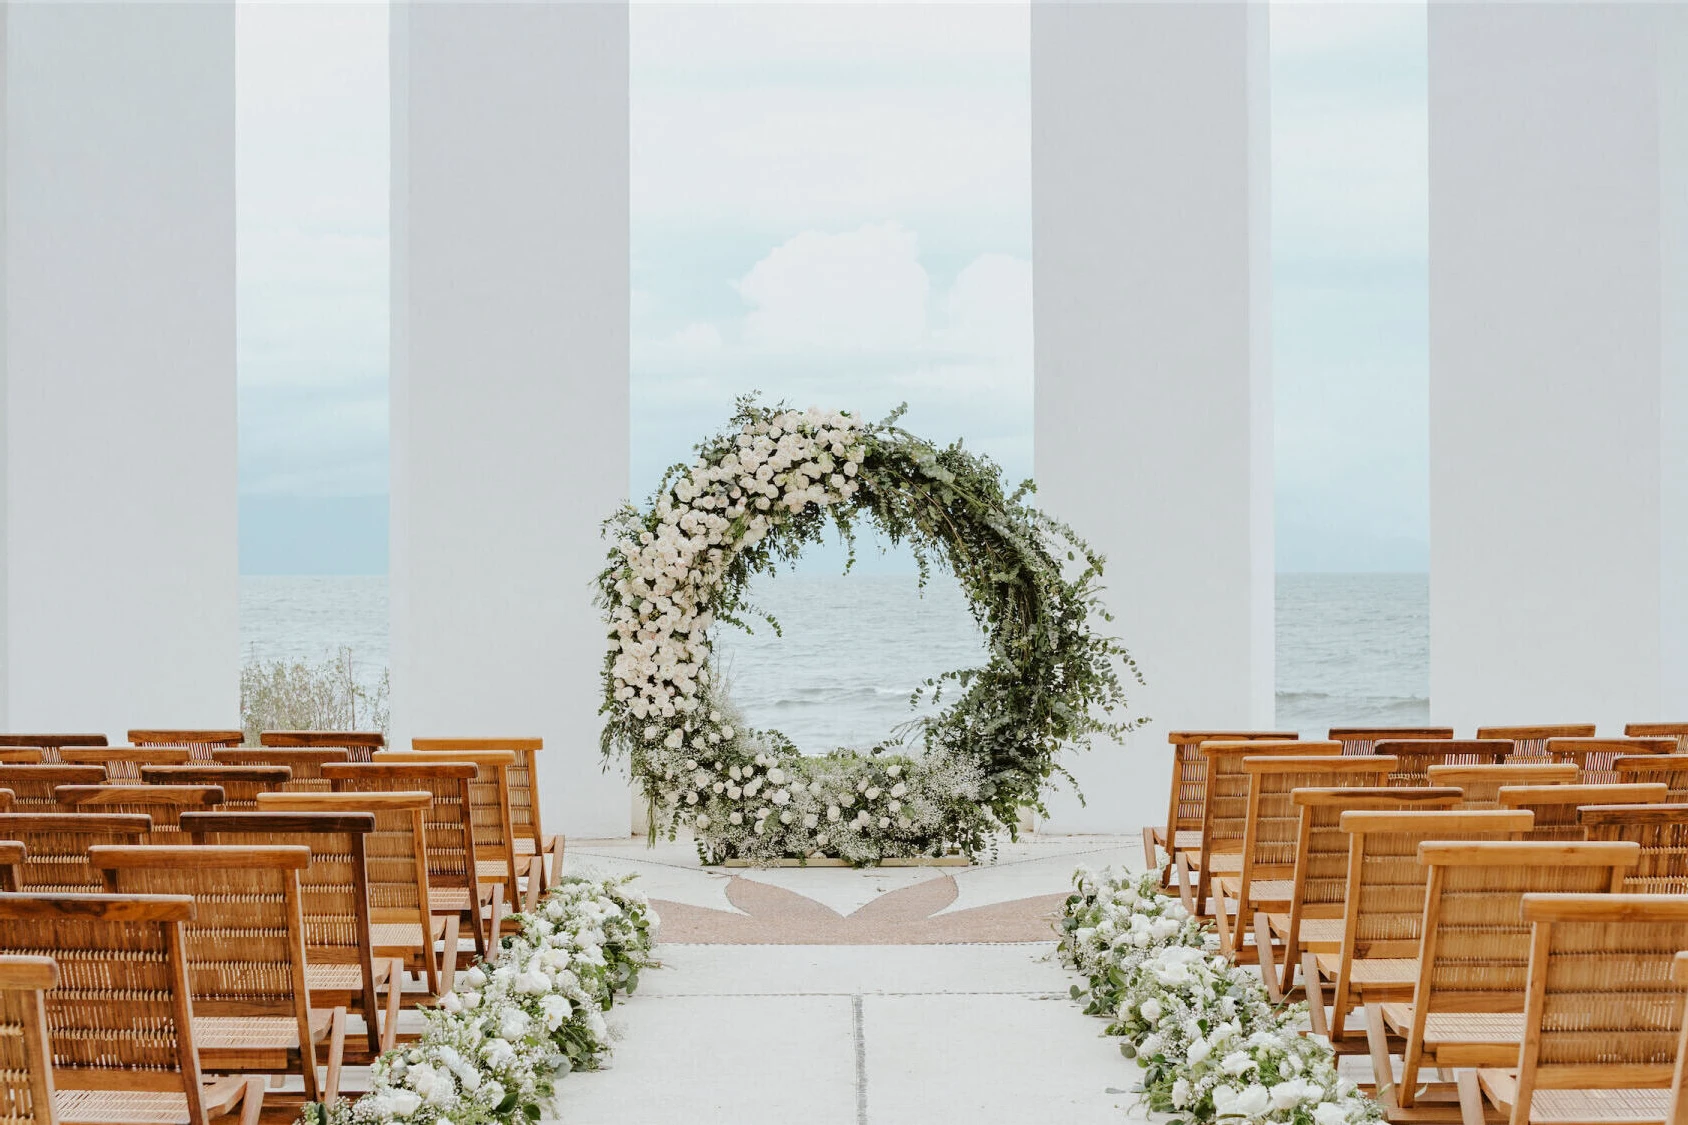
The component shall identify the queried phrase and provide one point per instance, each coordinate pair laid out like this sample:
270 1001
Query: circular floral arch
758 493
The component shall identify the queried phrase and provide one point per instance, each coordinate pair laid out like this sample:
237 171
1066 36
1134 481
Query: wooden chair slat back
198 743
1360 740
26 1066
1225 800
122 764
1661 830
163 803
1419 754
1532 740
489 800
1678 731
240 784
1189 771
359 744
305 763
56 847
523 778
50 743
1670 770
1594 756
1321 861
1482 784
1556 806
22 755
32 786
1271 834
450 838
394 851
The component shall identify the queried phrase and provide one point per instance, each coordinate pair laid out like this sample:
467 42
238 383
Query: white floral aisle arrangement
492 1050
1212 1046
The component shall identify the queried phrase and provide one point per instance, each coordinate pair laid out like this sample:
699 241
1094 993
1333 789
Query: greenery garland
772 483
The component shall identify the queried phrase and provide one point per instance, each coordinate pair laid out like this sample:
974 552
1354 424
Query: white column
121 605
509 377
1551 230
1151 223
1673 417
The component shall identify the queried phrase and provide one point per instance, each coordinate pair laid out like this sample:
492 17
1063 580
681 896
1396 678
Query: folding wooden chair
49 743
1482 784
454 885
1669 770
198 743
240 784
1383 907
122 764
401 923
496 859
1183 828
305 765
56 859
121 1021
1419 754
1594 756
246 952
359 744
1603 1016
26 1058
163 803
1271 833
1314 919
1468 1001
1662 833
1360 740
1532 740
12 856
1556 806
530 837
1678 731
339 951
1225 813
33 787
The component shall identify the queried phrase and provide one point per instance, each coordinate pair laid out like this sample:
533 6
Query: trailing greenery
330 695
772 483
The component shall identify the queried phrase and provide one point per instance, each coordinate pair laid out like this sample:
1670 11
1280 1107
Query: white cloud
860 291
698 336
990 309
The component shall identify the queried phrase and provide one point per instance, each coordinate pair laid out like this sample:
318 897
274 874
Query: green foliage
330 695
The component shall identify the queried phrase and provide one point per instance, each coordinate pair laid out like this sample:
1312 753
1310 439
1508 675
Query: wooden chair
1419 754
401 923
1271 833
1482 784
33 787
1678 731
163 803
1660 830
1603 1015
56 859
454 885
305 764
1532 740
1669 770
1468 1001
359 744
198 743
122 764
240 784
22 755
1383 907
530 836
496 861
26 1058
339 951
1313 921
1556 806
12 856
1594 756
1359 740
121 1021
1225 813
1183 827
245 952
51 744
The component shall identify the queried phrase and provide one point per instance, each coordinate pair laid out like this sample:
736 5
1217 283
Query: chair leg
1149 849
1315 995
395 993
557 845
1222 919
1181 865
496 926
1470 1098
447 977
1263 954
336 1053
252 1101
535 880
1377 1041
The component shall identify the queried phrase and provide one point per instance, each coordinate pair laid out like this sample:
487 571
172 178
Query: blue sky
831 204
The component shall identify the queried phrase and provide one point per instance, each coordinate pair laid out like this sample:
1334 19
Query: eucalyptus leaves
758 493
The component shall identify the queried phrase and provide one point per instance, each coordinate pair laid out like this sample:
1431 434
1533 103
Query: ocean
1351 648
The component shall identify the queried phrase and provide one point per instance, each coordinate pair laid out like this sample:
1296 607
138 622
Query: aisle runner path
837 997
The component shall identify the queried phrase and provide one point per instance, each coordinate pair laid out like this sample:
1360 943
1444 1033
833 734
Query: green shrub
276 695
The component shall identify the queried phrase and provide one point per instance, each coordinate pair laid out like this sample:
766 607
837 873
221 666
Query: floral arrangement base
834 861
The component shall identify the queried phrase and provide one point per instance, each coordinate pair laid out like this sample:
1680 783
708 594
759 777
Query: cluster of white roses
1211 1045
492 1050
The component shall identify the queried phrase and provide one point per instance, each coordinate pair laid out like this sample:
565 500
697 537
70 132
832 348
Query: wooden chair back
1225 804
56 847
122 764
1556 806
1661 830
333 888
395 854
121 1018
1670 770
26 1059
50 743
240 784
1360 740
22 755
489 808
1602 1010
246 942
1419 754
1532 740
198 743
163 803
32 786
359 744
1594 756
1474 956
1678 731
1482 784
523 776
1189 775
12 855
305 764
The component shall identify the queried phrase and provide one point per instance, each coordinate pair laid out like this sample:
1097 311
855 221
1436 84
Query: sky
831 204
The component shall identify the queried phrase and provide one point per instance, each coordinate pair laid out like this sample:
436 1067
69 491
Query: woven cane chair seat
143 1107
1500 1029
1579 1107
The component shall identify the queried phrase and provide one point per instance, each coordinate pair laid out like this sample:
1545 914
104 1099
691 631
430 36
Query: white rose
777 776
810 820
898 789
1196 1053
1236 1063
781 797
1287 1095
1254 1101
873 793
726 732
884 822
702 820
894 770
832 812
736 818
1150 1009
1329 1113
403 1102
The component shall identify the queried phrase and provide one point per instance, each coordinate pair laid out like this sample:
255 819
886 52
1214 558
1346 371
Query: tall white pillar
121 597
1151 291
509 377
1556 196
